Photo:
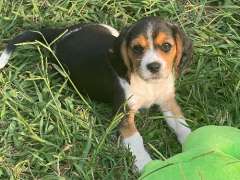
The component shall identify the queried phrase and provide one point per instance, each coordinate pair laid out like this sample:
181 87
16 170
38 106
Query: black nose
154 67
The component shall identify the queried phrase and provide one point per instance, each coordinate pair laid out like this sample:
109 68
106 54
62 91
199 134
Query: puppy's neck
135 78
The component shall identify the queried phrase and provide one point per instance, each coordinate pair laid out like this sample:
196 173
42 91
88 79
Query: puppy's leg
175 119
134 141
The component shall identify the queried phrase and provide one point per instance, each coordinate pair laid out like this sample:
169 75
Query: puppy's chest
142 94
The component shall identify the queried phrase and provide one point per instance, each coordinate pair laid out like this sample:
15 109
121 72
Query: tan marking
179 49
124 52
140 40
160 38
128 127
172 106
133 58
168 57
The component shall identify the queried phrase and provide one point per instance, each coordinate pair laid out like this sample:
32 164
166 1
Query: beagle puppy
137 67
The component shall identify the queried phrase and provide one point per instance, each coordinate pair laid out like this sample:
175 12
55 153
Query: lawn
49 131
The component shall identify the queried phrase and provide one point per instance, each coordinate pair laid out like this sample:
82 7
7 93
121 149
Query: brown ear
184 50
120 60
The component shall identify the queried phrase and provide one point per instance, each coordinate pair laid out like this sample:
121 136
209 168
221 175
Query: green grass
48 132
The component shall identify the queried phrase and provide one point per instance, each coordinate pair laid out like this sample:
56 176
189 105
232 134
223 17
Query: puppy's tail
28 36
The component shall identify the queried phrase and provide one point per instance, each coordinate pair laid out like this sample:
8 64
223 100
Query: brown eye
165 47
138 49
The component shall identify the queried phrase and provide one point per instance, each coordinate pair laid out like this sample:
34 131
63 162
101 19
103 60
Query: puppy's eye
138 49
165 47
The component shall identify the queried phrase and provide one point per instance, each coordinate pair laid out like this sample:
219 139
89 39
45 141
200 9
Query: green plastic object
209 153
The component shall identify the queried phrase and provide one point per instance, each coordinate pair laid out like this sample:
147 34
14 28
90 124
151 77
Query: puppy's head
153 48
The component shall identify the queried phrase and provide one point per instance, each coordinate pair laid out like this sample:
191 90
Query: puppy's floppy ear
119 59
184 49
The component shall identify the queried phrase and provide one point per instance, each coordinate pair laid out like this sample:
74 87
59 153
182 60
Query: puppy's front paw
141 162
135 145
182 134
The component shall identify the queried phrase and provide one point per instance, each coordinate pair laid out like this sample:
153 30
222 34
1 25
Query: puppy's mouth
153 79
150 77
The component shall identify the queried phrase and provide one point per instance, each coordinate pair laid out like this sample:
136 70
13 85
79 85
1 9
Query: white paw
142 160
182 134
135 145
179 125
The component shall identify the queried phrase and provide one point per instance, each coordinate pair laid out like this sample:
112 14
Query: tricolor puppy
137 67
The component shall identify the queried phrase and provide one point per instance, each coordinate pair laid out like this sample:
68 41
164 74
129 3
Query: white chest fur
143 94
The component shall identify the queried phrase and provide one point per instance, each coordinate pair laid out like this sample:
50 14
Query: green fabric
209 153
